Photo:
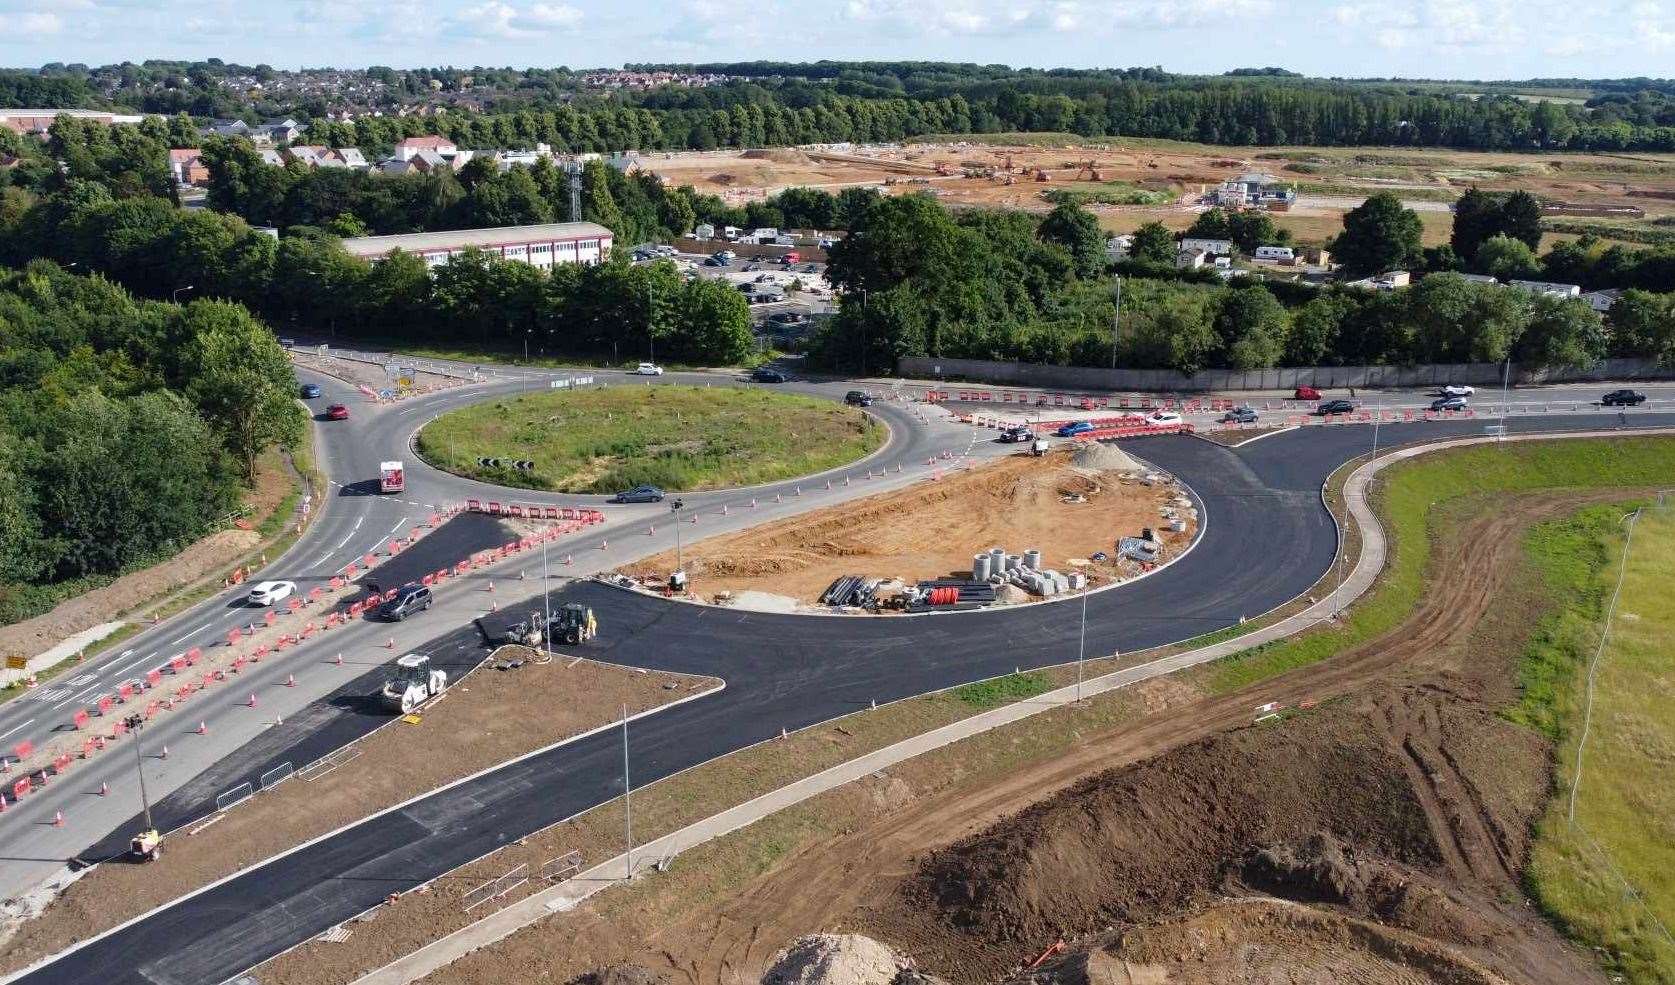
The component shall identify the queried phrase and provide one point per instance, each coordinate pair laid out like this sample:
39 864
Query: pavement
1261 502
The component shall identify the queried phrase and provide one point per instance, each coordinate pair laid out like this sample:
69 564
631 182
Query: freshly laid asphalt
1267 539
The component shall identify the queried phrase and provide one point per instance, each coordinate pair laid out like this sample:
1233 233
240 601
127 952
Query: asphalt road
1267 539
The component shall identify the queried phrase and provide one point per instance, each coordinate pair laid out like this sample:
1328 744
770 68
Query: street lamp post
546 602
1116 320
674 511
627 801
177 292
1082 643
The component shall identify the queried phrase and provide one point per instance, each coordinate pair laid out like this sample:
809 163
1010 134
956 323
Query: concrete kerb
570 893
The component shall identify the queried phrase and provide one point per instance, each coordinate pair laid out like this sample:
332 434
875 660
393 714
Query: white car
1458 390
648 369
1163 418
271 592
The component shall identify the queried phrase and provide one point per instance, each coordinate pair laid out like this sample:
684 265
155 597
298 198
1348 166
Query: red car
337 412
1306 393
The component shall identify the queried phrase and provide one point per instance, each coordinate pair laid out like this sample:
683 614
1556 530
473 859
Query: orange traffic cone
203 728
491 584
339 659
290 680
252 701
104 789
164 754
58 819
389 644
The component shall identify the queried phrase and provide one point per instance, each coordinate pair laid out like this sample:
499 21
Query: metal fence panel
238 794
279 774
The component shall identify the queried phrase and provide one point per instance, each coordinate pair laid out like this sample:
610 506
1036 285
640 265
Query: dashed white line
15 728
325 557
398 525
188 633
136 663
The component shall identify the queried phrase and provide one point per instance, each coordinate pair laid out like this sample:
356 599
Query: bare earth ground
486 719
274 481
1424 797
358 373
931 530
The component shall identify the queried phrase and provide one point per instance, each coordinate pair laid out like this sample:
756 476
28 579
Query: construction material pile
1104 458
835 959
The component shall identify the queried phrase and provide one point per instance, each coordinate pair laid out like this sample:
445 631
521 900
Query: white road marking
15 728
78 694
325 557
345 540
190 632
134 664
398 525
358 521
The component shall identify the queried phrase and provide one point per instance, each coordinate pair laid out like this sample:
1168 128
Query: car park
309 391
767 374
639 494
337 412
1449 403
1329 407
1622 398
858 398
1305 393
409 598
1239 415
270 592
1456 390
648 369
1074 428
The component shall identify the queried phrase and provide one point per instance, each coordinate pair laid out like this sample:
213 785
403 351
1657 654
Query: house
39 121
351 157
543 245
188 167
271 156
226 128
1315 256
282 131
1387 281
703 231
311 155
1189 259
1601 301
411 147
1118 247
1275 254
1214 247
1546 288
1478 278
1255 190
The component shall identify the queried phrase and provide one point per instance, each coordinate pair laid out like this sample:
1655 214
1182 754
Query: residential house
1189 259
703 231
282 131
39 121
188 166
1546 288
1387 281
311 155
351 158
1118 247
1601 301
1214 247
271 156
226 128
1275 254
1478 278
413 146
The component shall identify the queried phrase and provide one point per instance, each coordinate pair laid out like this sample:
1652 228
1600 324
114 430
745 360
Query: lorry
391 477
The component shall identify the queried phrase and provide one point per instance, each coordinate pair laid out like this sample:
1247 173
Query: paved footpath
572 892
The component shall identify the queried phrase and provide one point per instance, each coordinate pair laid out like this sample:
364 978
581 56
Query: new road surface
1266 539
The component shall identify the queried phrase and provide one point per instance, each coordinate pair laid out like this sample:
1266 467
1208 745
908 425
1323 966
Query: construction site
1092 516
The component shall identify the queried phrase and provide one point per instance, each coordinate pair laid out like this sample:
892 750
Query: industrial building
540 246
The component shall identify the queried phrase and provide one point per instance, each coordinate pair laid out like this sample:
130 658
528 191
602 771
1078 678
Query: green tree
1477 216
1253 327
1562 332
1314 329
1507 258
1643 324
1075 228
241 381
1378 235
1457 321
1153 243
1521 218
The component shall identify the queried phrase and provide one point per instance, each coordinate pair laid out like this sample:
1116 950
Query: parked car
714 262
1449 403
409 598
1622 398
1456 390
1163 418
1074 428
337 412
639 494
787 319
270 592
287 343
310 390
1305 393
858 398
1016 434
1328 407
767 374
648 369
1239 415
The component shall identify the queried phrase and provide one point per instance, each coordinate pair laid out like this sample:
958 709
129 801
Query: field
1141 179
1609 875
677 437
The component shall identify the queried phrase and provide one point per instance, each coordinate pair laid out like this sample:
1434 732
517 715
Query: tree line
918 280
125 427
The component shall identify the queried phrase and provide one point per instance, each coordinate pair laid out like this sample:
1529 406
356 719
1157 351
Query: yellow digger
574 624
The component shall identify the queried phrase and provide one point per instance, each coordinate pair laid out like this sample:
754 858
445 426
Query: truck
391 478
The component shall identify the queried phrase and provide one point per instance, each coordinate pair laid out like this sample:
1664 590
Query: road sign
17 661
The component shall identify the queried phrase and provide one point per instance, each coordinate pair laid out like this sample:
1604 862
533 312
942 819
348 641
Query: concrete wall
1334 377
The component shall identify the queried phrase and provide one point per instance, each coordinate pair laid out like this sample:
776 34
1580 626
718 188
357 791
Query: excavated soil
1391 821
931 530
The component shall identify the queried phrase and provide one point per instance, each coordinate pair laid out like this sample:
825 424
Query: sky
1456 39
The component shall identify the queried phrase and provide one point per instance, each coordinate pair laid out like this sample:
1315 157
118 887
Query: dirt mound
621 974
1104 458
835 959
786 155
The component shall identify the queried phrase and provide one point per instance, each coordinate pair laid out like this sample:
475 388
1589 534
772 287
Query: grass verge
676 437
1608 877
1405 497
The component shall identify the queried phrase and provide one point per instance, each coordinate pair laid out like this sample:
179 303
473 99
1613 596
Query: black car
858 398
1622 398
1016 434
639 494
1328 407
786 319
1239 415
310 390
765 374
1449 403
408 599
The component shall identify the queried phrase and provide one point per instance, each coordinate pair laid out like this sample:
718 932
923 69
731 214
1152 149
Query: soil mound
788 155
1104 458
621 974
835 959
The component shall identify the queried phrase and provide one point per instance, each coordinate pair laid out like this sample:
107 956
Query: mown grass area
1406 497
1107 193
677 437
984 695
1609 879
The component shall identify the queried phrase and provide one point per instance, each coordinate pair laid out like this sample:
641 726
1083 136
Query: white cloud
497 19
31 23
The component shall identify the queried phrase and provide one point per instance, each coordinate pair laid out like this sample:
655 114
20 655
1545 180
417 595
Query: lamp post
627 802
134 723
680 559
546 602
1082 643
1116 320
177 292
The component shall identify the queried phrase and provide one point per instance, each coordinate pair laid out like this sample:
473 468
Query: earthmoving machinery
525 633
412 682
574 624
